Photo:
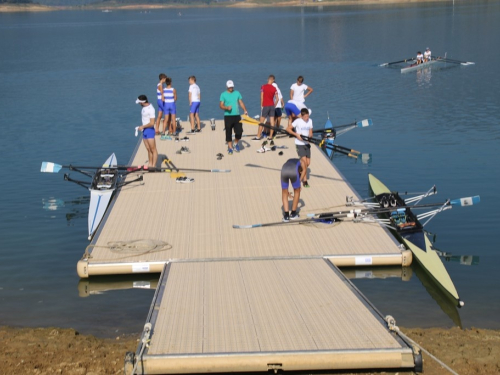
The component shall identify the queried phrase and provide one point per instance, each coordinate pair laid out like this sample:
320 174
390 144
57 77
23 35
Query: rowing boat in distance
413 67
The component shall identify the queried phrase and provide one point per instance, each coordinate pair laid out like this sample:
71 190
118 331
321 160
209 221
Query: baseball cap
229 83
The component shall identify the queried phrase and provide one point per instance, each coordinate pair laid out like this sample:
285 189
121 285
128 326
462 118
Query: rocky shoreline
45 351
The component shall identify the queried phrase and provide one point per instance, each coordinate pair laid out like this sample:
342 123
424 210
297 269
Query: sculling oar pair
319 142
49 167
453 61
353 214
398 62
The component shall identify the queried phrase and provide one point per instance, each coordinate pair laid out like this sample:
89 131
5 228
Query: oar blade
467 201
48 167
365 123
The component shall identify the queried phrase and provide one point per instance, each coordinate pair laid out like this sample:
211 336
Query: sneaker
264 143
294 215
177 139
261 150
286 217
266 148
191 132
185 150
256 139
272 142
185 139
230 151
184 180
237 147
198 130
306 184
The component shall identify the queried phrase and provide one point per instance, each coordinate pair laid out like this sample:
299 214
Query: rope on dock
391 323
131 248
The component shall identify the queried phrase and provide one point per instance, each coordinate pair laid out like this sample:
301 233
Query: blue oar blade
49 167
364 123
468 201
236 226
328 124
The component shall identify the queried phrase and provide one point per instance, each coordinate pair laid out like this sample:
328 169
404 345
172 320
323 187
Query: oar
49 167
453 61
359 124
192 170
398 62
362 211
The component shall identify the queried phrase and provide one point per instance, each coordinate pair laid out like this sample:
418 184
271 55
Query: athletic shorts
148 133
230 123
278 112
195 107
304 150
291 108
169 108
290 173
268 111
161 105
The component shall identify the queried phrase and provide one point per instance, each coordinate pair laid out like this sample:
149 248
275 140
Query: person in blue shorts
170 108
148 130
291 172
194 104
160 100
292 109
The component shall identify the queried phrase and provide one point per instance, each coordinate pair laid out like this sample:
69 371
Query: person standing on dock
194 104
303 127
278 112
292 171
148 130
427 54
160 100
298 90
170 108
268 100
229 101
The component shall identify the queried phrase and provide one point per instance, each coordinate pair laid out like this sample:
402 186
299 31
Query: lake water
68 81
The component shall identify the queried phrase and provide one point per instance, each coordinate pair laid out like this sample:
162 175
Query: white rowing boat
105 181
413 67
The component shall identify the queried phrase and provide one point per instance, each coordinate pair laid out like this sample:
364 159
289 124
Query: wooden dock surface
161 220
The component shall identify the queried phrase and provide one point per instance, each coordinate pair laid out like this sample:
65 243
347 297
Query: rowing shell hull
99 200
329 141
421 247
412 68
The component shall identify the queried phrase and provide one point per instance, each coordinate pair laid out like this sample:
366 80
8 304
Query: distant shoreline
11 8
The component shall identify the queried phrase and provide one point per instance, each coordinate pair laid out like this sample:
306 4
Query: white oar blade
468 201
49 167
364 123
469 63
384 64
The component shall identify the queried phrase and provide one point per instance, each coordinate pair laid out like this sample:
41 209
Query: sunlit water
68 81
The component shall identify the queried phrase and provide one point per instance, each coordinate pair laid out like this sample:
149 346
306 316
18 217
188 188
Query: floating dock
238 300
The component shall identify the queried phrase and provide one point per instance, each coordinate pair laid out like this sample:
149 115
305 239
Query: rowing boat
410 231
103 187
413 67
105 181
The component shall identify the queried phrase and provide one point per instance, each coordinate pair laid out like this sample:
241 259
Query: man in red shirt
268 100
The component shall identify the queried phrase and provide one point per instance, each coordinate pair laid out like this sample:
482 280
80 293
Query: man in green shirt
229 101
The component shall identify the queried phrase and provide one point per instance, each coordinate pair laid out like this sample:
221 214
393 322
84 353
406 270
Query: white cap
229 84
427 49
137 101
310 111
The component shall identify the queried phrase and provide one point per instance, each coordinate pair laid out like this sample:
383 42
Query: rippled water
68 85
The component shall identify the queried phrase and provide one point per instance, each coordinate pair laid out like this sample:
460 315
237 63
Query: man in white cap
148 130
427 54
229 101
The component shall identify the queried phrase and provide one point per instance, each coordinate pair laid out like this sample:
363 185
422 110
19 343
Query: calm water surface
68 81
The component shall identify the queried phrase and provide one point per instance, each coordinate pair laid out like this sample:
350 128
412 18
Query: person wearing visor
229 101
148 130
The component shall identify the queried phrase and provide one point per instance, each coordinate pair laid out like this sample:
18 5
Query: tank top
168 94
158 92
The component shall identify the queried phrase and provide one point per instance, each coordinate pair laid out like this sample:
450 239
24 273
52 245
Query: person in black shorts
229 101
292 172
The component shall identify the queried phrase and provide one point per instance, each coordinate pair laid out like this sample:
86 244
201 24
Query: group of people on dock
300 125
425 57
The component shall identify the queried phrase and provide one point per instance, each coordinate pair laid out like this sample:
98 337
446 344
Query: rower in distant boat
420 58
427 54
